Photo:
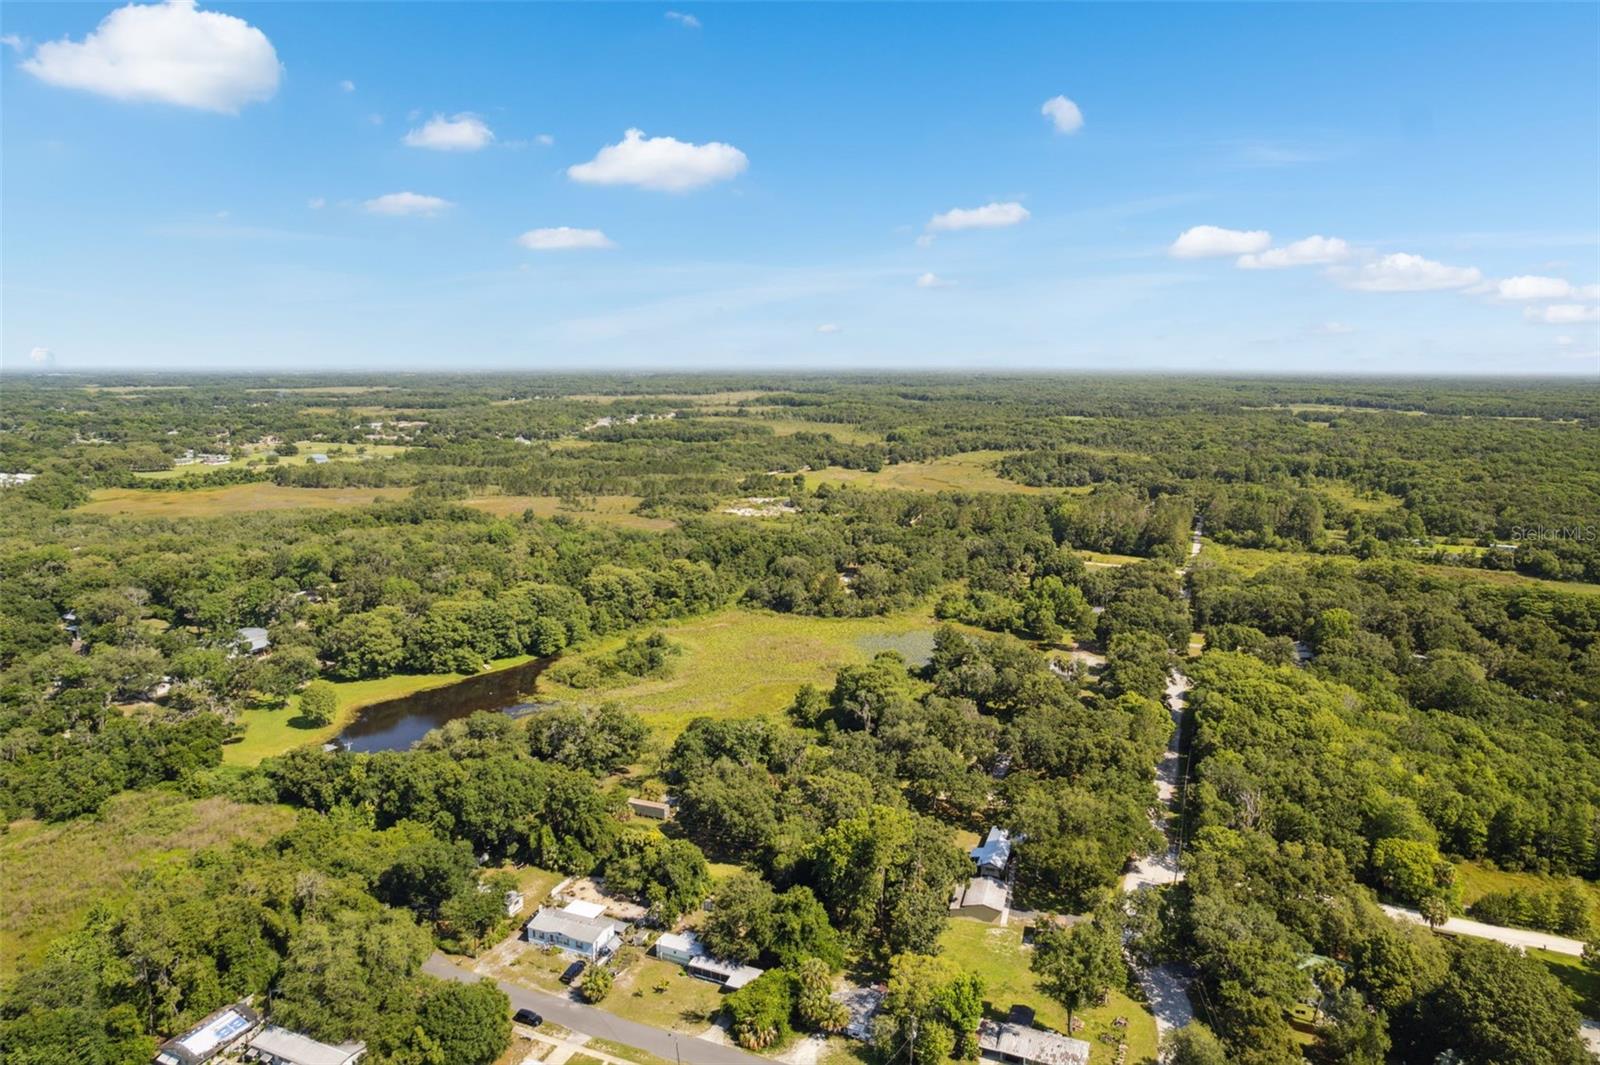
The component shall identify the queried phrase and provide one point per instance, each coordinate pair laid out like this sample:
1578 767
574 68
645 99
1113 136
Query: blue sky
227 187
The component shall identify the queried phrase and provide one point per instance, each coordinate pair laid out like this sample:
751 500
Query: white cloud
662 163
1064 113
544 140
1563 314
931 280
170 53
1307 252
458 133
13 42
1533 287
989 216
1209 242
347 85
375 119
1401 272
827 327
407 203
564 238
686 21
316 203
42 357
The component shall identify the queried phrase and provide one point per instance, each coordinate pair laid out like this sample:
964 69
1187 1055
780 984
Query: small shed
652 808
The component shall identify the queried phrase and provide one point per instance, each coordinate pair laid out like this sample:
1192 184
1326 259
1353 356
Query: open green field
328 390
269 732
234 499
1359 501
688 399
744 663
1106 558
1508 579
257 458
1478 880
997 955
972 471
52 873
847 434
1251 560
603 510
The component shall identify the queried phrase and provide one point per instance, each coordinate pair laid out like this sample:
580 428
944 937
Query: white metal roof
292 1047
1032 1045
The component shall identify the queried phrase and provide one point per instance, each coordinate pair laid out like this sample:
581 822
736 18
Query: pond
395 724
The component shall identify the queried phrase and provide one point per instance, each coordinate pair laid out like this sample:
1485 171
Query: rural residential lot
734 733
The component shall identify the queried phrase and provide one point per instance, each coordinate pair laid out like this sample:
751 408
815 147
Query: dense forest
1392 629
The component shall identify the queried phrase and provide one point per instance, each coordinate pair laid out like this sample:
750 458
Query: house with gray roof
1020 1044
982 898
579 928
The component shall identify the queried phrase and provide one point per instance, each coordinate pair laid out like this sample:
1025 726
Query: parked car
527 1017
572 972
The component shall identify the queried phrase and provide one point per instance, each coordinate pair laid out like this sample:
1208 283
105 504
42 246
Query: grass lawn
660 994
841 1051
744 663
519 1051
234 499
603 510
1584 983
52 873
972 471
268 732
541 968
625 1052
997 955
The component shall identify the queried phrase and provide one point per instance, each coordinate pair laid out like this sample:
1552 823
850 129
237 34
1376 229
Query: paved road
1511 937
602 1025
1589 1032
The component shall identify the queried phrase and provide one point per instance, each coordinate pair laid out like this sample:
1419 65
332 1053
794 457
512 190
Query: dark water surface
395 724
